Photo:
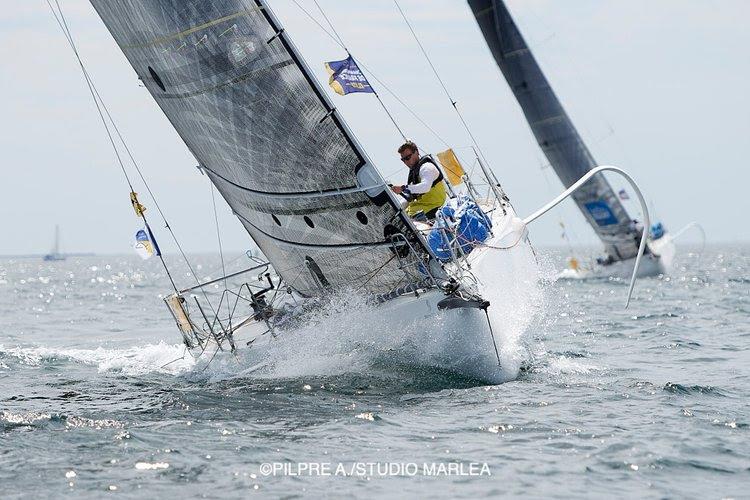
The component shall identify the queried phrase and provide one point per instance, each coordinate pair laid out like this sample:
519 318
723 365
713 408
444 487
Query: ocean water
97 396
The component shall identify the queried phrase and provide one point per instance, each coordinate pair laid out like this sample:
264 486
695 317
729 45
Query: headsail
554 130
239 95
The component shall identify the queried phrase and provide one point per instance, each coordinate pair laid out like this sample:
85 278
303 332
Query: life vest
433 199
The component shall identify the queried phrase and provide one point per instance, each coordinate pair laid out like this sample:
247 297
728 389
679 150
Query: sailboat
568 155
55 252
264 131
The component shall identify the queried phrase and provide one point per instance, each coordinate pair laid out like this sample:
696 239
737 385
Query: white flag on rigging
143 245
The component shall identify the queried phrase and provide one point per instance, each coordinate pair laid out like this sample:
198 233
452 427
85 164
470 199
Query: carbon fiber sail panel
553 129
235 90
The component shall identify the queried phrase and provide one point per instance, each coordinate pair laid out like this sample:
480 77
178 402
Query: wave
316 355
348 336
674 388
558 363
9 420
563 365
137 360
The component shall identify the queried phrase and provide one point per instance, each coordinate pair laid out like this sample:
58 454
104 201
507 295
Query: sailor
425 190
636 228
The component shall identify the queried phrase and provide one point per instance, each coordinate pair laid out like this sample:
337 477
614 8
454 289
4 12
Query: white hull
658 261
411 330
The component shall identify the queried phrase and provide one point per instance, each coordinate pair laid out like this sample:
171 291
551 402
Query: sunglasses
407 157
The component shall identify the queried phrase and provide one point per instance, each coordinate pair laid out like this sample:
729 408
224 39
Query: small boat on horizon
55 254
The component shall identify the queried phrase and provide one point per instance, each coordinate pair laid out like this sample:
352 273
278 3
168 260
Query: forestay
554 130
237 92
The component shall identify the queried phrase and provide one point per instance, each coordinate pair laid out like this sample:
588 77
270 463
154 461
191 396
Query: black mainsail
553 129
237 92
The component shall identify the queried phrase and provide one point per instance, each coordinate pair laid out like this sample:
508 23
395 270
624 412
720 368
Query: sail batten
554 131
245 104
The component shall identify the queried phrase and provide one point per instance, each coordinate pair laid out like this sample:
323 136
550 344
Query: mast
229 79
553 129
56 248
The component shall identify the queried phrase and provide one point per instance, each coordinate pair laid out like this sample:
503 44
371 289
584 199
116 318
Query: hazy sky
658 88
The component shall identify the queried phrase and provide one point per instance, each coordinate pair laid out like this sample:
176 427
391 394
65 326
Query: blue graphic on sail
623 194
601 213
346 77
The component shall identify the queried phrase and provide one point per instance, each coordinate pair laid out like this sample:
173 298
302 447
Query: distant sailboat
568 154
55 252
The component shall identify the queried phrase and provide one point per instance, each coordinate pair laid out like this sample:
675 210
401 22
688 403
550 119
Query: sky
657 88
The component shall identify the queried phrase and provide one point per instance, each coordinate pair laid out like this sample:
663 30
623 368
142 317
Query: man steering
425 189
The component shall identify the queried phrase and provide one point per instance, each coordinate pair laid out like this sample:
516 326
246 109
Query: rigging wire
63 24
453 102
375 92
375 77
330 24
221 250
563 59
100 105
167 226
492 335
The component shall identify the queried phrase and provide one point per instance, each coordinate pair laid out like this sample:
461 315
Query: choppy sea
97 396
